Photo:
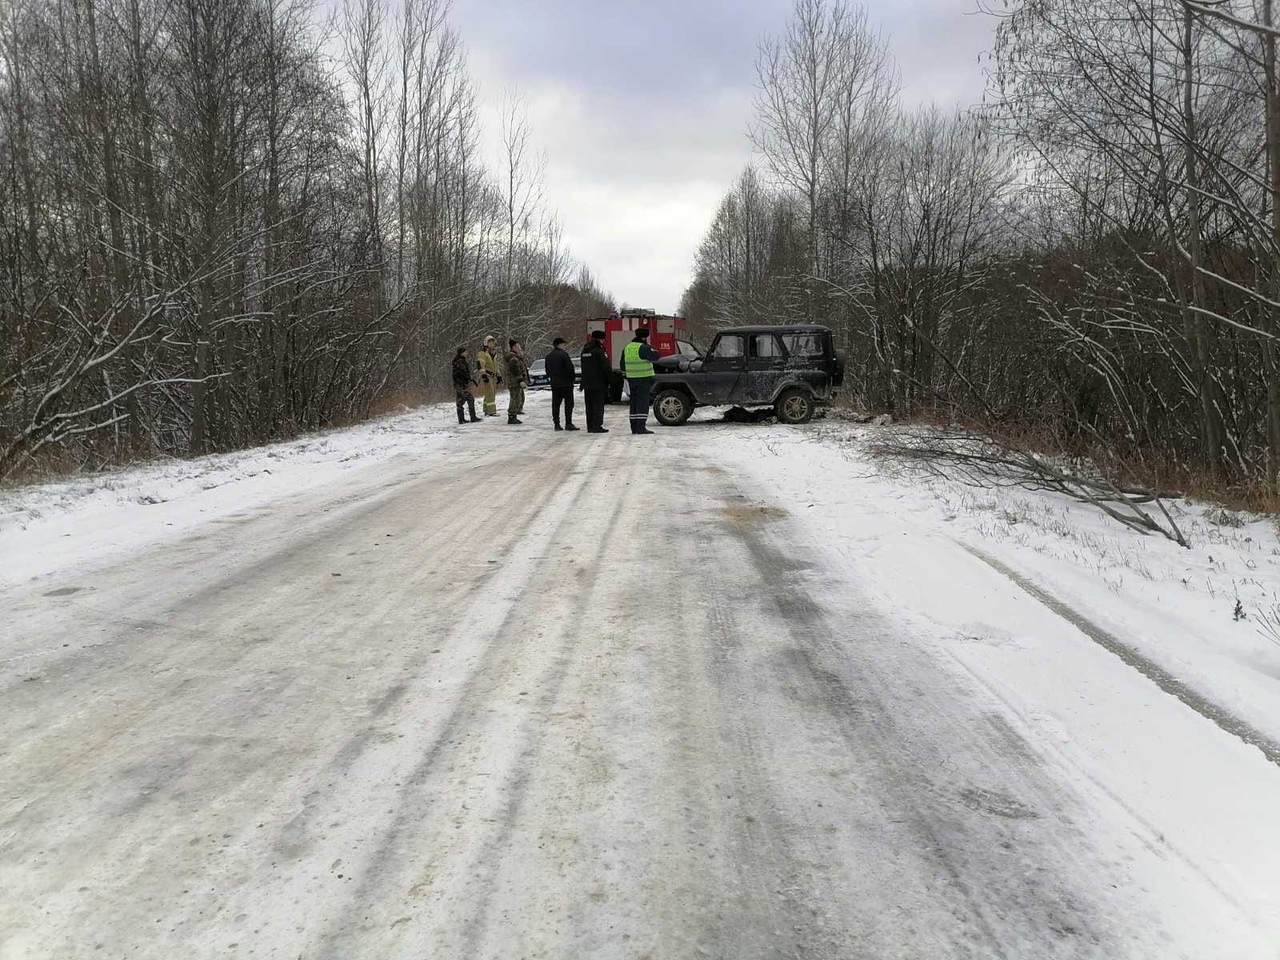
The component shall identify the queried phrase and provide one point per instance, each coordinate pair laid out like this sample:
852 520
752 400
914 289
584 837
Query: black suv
793 369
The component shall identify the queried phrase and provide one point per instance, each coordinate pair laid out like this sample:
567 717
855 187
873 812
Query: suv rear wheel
794 406
672 408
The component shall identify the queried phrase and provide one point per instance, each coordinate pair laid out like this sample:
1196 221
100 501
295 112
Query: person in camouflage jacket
517 378
463 381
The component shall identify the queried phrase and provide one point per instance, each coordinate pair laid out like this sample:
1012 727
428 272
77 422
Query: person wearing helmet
487 374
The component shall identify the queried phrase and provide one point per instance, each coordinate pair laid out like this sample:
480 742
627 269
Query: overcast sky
643 108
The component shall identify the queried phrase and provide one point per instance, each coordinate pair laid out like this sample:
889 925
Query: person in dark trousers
463 383
560 372
595 381
637 367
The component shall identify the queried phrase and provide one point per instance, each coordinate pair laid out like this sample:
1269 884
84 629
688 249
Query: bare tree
522 174
218 228
817 85
1094 254
365 50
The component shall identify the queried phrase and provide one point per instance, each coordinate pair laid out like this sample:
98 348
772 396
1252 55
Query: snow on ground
1197 793
843 651
1210 616
80 521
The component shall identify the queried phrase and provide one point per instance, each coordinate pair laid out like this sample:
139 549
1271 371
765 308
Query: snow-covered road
521 694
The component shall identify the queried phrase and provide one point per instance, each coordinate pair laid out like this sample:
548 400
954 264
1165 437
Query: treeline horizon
1091 257
223 222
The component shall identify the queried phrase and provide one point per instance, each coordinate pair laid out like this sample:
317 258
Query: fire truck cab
668 335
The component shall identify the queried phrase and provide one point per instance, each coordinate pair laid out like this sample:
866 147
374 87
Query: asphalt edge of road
1225 720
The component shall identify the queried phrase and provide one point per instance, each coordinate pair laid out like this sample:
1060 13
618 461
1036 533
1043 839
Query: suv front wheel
671 408
794 406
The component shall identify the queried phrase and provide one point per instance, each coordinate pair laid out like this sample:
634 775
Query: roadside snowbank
77 522
1209 616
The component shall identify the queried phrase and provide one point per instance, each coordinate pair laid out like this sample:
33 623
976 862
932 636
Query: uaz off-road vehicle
793 369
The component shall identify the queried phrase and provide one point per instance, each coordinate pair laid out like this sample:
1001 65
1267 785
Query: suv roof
778 328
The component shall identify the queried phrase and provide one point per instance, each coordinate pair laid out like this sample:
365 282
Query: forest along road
552 695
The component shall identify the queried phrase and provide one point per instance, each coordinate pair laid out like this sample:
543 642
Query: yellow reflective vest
634 366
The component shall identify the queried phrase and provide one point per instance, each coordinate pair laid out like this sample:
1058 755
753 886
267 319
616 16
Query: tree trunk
1194 322
1272 369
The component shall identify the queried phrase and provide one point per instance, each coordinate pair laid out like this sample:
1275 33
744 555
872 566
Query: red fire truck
667 335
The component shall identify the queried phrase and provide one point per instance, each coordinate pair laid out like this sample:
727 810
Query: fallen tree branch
979 461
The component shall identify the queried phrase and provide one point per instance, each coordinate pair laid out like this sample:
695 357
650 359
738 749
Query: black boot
558 427
512 421
570 426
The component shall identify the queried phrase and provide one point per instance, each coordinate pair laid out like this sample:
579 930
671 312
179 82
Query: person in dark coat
596 372
463 382
560 372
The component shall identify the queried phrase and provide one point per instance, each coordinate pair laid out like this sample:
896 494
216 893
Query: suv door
766 364
722 368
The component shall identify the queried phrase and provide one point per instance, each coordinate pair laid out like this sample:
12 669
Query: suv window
729 348
805 345
766 345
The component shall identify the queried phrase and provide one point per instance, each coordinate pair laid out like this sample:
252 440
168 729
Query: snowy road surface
523 694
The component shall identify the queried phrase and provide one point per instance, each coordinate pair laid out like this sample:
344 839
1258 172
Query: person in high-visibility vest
637 367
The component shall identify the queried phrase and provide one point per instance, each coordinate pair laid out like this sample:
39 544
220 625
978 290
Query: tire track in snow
453 621
491 624
1227 721
163 636
489 854
223 655
1005 914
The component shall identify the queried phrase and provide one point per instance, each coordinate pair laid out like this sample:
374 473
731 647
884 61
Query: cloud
643 110
938 45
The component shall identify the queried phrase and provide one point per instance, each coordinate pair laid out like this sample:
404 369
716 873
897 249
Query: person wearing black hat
561 374
637 367
595 381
